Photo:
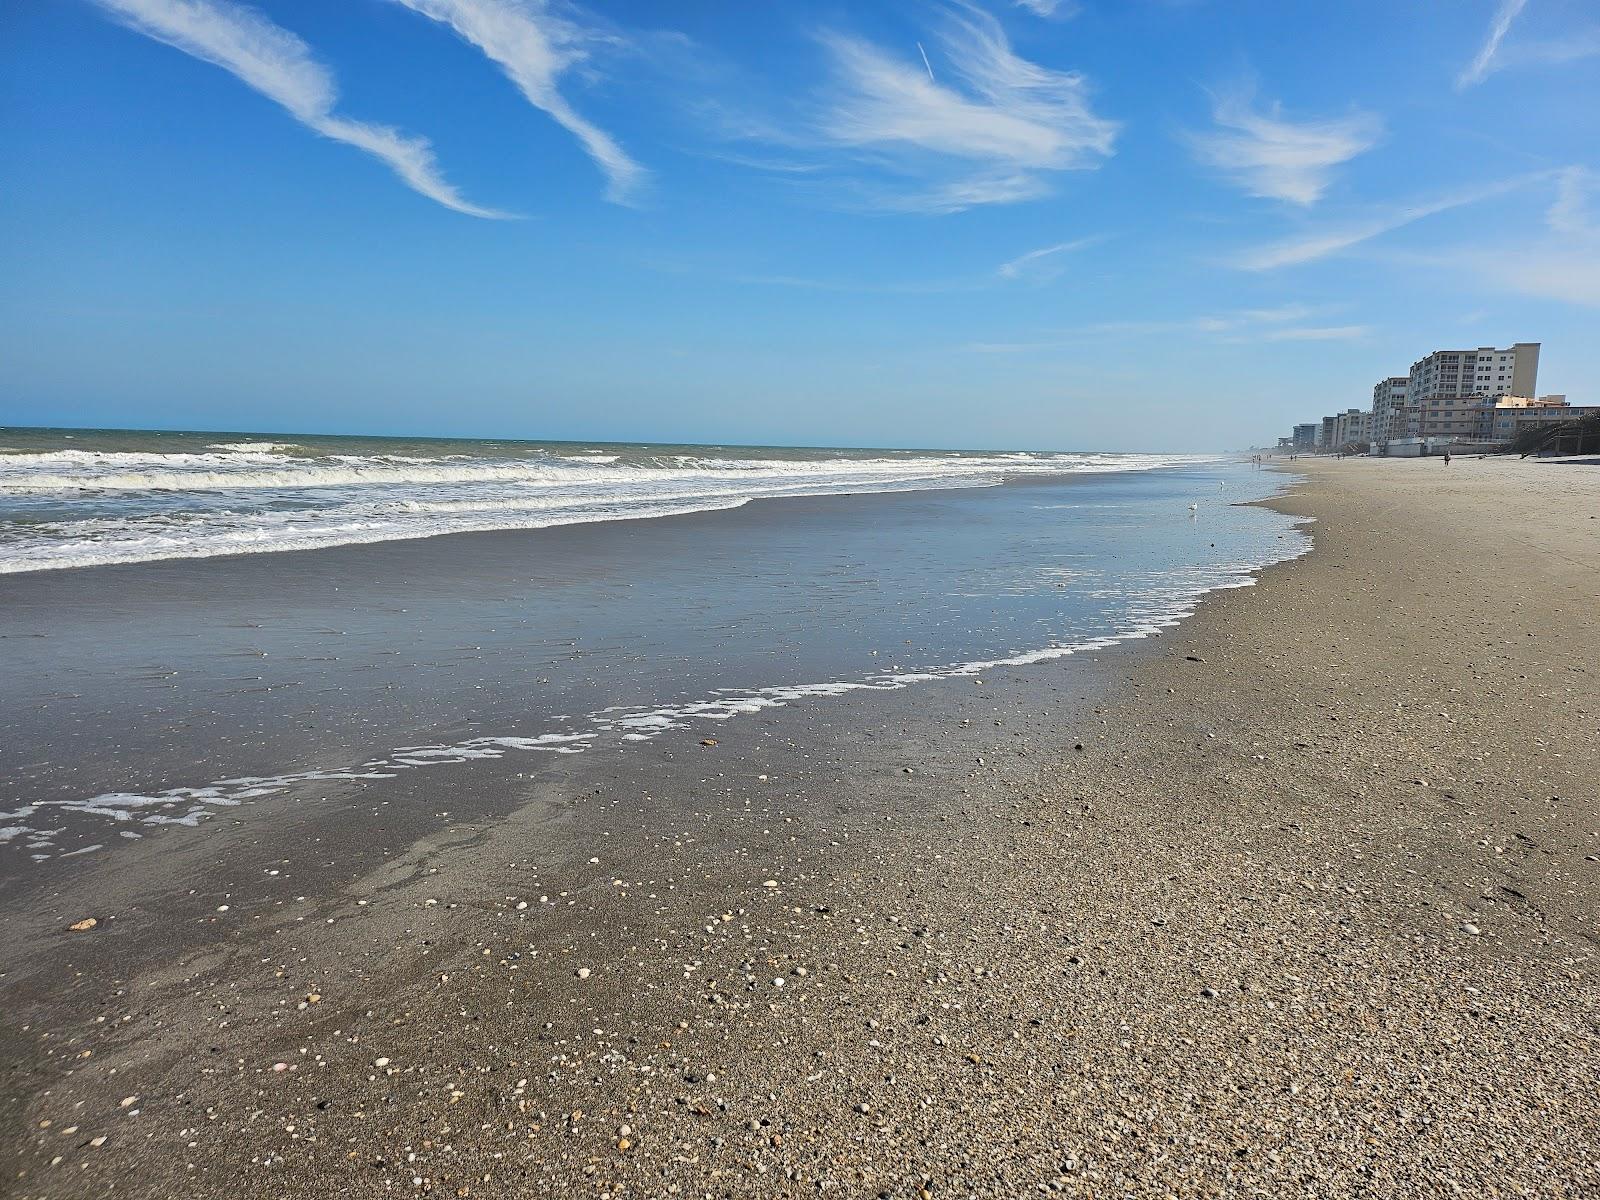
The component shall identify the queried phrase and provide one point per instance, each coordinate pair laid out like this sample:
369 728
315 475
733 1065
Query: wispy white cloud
760 162
1570 275
1497 54
1279 324
1313 246
1561 262
1043 263
1569 211
1272 156
926 287
1565 264
1571 46
1036 266
280 66
1315 333
1545 270
1282 312
1049 8
534 47
1483 63
989 130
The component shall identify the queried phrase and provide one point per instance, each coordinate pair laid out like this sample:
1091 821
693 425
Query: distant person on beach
1447 458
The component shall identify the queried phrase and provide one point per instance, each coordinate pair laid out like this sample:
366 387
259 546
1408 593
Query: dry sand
1307 908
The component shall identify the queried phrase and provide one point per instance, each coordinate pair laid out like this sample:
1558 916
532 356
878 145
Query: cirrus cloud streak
1483 63
977 125
1271 156
1313 246
533 48
279 65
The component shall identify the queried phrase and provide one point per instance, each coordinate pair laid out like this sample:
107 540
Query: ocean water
75 498
157 683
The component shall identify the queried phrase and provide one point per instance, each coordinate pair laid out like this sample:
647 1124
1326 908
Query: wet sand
1307 906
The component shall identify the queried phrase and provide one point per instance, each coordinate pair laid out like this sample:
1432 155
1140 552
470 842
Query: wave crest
75 508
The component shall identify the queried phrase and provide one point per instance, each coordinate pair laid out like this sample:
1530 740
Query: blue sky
1112 224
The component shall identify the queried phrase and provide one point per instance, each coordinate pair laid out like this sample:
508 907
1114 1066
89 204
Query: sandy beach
947 601
1301 898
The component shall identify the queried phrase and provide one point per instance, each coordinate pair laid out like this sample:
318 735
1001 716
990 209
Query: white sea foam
82 508
248 465
257 447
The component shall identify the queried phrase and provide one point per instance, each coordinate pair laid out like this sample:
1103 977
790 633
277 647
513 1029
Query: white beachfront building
1388 410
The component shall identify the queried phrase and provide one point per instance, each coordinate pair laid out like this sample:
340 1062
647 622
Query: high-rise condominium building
1448 374
1388 409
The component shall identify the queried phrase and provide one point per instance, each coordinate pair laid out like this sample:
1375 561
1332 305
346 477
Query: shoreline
174 679
1221 948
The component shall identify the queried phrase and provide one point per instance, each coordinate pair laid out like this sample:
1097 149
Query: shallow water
170 691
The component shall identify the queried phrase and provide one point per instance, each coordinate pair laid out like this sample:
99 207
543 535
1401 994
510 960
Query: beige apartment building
1448 390
1486 372
1351 427
1513 415
1478 420
1457 418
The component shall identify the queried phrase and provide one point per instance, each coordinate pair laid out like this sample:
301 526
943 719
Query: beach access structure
1579 436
